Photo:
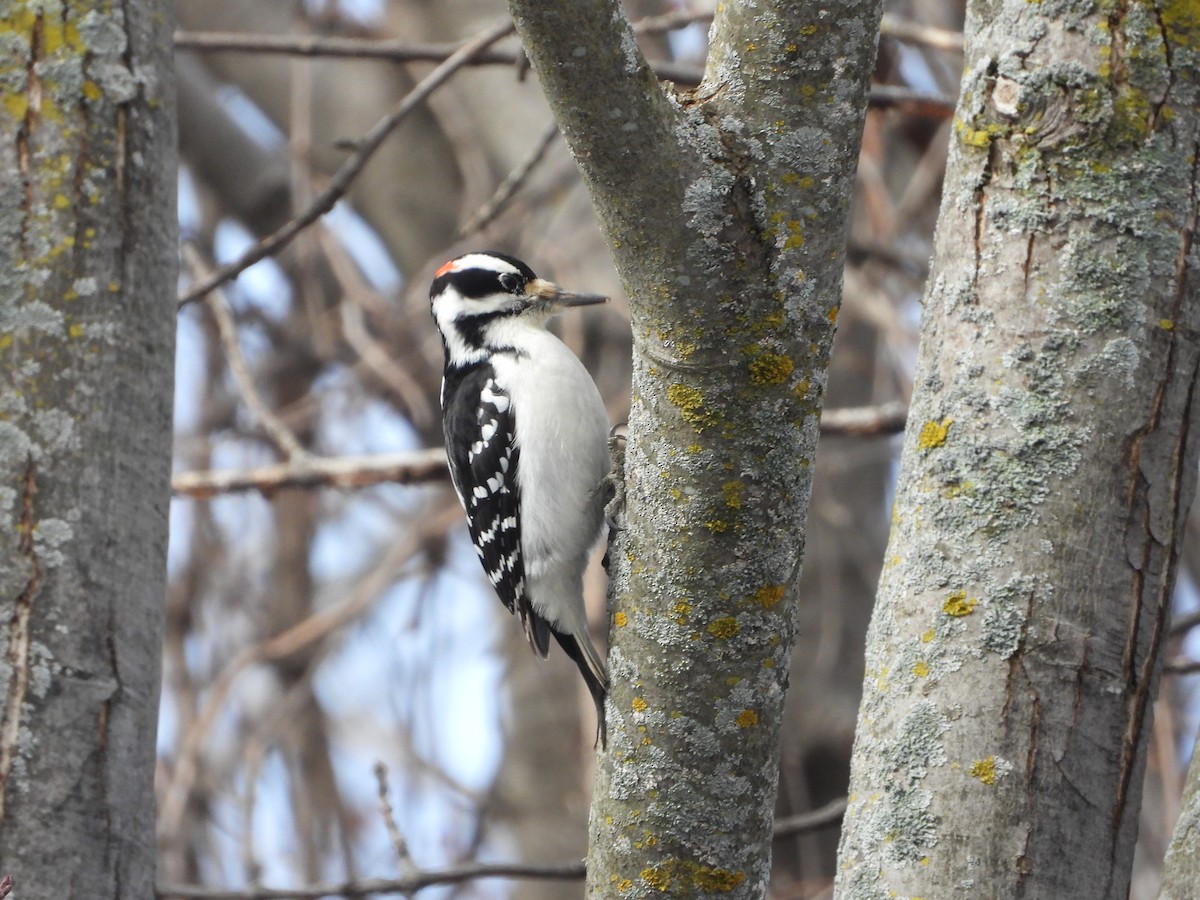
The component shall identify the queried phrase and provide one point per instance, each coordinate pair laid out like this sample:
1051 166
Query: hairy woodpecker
527 440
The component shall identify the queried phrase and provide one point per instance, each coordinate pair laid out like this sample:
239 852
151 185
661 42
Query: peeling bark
87 279
1049 462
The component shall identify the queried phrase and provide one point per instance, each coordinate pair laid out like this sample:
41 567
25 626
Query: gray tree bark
726 211
87 286
1013 656
1181 869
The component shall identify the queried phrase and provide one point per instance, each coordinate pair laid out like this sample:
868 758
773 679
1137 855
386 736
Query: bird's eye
514 284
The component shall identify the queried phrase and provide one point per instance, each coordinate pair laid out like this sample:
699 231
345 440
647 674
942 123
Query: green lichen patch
724 628
959 604
901 819
1181 19
733 492
769 594
690 402
681 611
934 434
1003 624
989 769
770 369
686 878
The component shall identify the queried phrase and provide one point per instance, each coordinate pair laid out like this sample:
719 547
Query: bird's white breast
562 435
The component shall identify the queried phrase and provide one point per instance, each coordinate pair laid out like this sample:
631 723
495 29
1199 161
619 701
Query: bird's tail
570 628
579 647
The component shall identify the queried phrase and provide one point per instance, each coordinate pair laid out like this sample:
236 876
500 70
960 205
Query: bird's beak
552 298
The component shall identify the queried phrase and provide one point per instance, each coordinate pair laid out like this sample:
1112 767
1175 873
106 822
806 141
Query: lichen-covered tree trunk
1050 458
87 286
1181 869
726 209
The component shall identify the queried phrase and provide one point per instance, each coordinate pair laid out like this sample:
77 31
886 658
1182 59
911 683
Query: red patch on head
446 267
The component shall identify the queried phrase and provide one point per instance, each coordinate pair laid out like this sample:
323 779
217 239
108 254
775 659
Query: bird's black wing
480 428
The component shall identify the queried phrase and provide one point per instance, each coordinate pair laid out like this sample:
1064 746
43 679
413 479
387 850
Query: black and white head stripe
479 275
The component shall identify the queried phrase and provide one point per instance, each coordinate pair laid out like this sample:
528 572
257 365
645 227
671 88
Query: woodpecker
527 439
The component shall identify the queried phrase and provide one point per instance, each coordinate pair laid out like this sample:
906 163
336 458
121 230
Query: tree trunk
87 286
726 209
1013 656
1181 870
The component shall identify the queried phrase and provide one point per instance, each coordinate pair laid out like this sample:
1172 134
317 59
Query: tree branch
342 179
865 421
827 815
429 466
417 467
588 49
279 434
408 884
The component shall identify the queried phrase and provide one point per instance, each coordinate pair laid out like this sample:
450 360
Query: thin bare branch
373 355
277 432
572 871
399 844
684 75
1181 666
387 50
511 184
865 421
317 45
173 799
829 814
395 50
1183 624
342 179
417 467
925 35
429 466
911 101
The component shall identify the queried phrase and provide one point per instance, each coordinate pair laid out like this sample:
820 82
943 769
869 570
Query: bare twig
387 50
402 51
277 432
1181 666
175 794
399 844
331 46
340 183
381 364
685 75
417 467
829 814
925 35
408 884
427 466
865 421
1184 624
510 185
911 101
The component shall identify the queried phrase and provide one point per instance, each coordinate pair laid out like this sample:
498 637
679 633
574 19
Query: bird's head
473 294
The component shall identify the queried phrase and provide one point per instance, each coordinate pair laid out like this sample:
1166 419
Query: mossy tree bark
726 209
1048 466
87 287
